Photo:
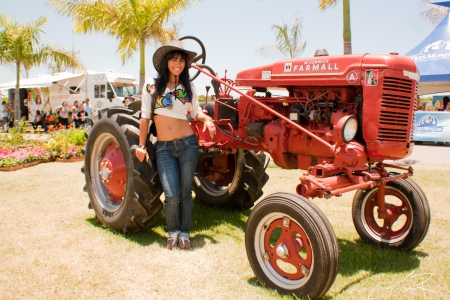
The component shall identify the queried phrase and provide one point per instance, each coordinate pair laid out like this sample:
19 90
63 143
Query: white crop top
175 103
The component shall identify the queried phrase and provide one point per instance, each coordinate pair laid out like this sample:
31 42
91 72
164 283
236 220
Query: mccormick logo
311 65
428 123
437 50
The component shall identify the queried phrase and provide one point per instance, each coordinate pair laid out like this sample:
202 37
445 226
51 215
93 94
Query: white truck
104 89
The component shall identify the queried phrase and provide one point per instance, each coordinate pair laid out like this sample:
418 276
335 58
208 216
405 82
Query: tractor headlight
349 128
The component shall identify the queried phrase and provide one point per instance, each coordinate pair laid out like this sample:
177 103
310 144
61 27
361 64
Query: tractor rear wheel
123 192
240 186
291 246
408 210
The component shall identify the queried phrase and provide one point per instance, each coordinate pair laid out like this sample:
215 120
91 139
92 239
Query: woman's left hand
211 127
141 154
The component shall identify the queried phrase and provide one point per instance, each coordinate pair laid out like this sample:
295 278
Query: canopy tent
432 57
442 3
39 81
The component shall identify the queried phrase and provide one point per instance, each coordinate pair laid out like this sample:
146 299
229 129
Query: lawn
54 249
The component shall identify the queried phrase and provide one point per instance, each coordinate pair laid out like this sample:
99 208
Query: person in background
5 115
75 107
445 106
37 120
49 119
39 104
63 114
70 119
81 117
10 115
177 147
25 111
47 107
75 117
89 109
31 105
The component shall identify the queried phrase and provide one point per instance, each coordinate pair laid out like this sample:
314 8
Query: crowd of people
75 116
42 116
433 105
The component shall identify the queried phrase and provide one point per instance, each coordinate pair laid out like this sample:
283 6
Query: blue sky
234 30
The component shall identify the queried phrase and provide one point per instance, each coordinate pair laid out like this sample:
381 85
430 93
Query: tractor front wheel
291 246
408 215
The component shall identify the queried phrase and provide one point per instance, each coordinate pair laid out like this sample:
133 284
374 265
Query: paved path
432 154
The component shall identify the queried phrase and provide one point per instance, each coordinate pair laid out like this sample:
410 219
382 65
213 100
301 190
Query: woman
445 105
169 102
47 107
31 107
39 104
63 116
75 105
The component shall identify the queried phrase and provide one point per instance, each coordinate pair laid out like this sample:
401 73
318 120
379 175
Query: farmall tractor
341 117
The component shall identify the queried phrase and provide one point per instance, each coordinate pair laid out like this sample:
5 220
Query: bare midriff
171 128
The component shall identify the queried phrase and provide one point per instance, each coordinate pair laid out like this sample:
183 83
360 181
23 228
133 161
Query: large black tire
124 193
241 186
409 210
291 246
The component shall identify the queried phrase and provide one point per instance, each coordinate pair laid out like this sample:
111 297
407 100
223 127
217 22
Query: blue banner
432 126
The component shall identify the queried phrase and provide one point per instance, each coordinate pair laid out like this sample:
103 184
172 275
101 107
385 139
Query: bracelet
142 147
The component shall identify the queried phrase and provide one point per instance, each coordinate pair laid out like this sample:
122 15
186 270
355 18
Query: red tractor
339 119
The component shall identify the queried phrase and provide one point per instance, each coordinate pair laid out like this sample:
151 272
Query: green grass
53 248
365 271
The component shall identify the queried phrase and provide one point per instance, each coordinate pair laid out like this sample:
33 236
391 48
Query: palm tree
20 45
325 4
133 22
432 13
287 41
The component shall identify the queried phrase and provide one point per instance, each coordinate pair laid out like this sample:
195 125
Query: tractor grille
395 110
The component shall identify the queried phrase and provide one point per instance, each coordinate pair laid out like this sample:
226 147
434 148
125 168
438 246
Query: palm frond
432 13
287 41
325 4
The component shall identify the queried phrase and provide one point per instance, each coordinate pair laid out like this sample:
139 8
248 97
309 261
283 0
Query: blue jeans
176 161
5 122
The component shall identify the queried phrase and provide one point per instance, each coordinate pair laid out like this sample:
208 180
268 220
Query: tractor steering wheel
201 56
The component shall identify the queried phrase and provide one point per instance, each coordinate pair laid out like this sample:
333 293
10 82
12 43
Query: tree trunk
141 66
17 111
347 29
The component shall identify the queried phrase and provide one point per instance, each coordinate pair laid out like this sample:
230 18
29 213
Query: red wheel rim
287 244
394 211
113 173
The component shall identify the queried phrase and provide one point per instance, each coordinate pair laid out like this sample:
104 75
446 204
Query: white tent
40 81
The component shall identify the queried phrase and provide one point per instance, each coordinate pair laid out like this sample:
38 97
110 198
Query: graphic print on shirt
166 100
149 89
181 95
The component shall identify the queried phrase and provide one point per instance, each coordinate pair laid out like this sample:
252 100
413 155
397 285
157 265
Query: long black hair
445 102
163 77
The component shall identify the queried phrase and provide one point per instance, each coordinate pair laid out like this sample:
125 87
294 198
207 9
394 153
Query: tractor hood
340 70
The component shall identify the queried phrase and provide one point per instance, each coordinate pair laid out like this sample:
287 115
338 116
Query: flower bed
15 151
14 157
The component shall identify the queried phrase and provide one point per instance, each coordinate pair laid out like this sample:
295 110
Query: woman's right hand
141 154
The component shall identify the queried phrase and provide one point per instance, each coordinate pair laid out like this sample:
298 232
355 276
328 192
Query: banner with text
432 126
